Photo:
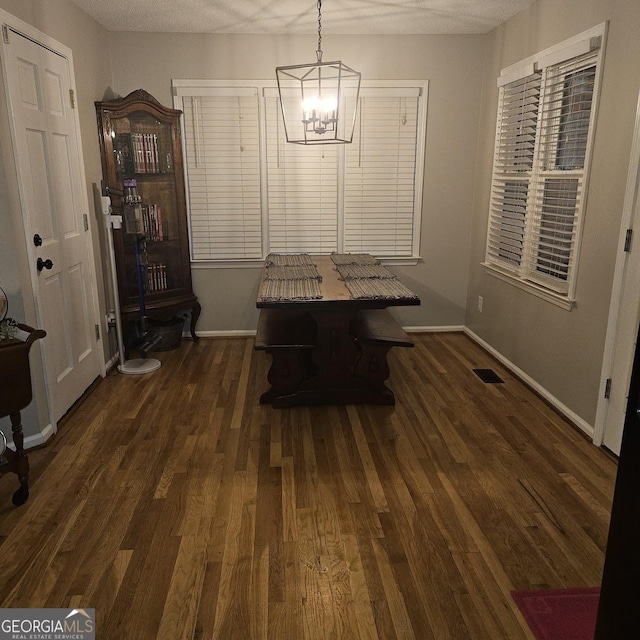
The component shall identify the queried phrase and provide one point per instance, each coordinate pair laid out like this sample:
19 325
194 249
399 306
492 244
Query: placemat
351 271
292 272
308 289
288 259
372 288
353 258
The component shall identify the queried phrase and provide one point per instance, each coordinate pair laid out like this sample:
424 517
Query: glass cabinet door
143 150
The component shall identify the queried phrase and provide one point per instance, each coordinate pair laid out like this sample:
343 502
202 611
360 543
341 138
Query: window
302 189
546 117
222 163
251 193
380 178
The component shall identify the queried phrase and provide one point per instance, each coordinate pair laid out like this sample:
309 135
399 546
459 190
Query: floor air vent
489 376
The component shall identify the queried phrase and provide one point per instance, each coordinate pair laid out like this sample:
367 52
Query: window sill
227 264
561 301
400 262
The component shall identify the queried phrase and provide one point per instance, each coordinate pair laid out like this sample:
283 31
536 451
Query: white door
54 203
624 314
625 342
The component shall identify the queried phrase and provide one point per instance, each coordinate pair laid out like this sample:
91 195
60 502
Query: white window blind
380 175
513 168
250 192
546 117
560 167
302 185
222 157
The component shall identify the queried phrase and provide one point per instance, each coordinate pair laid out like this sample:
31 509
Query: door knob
44 264
37 240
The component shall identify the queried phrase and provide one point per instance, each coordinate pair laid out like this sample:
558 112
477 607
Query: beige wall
562 351
452 64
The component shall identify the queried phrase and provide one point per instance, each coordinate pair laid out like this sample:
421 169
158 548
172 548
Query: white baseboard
109 364
444 329
539 389
231 333
34 440
243 333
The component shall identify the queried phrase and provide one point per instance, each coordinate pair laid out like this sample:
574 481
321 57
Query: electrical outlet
480 303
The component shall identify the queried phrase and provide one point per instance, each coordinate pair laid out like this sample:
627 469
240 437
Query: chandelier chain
319 51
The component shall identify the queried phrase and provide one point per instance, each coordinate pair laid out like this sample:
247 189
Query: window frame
525 273
182 89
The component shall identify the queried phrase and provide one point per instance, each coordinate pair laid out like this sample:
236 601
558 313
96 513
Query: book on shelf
123 152
157 277
152 222
137 153
154 278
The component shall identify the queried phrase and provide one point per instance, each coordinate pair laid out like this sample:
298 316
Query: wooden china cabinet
140 140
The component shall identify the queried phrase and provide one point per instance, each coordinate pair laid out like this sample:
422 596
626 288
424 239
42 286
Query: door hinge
97 332
5 34
627 240
72 98
607 389
86 221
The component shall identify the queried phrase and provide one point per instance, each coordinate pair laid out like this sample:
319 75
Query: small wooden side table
16 394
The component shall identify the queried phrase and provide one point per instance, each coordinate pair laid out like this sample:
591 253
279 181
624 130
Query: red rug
559 614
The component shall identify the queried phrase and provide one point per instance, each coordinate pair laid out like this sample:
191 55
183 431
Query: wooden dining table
324 321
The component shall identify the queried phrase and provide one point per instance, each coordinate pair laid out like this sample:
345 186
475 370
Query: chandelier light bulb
319 114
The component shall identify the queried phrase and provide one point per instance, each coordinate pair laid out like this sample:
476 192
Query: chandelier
318 100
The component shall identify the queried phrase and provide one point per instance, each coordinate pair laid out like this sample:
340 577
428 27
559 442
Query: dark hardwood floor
179 507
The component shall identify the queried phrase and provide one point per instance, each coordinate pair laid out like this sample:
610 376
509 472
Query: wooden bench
378 326
376 332
288 337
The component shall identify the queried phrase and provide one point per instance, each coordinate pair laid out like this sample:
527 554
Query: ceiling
339 17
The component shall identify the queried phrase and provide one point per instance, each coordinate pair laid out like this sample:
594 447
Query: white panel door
624 312
625 341
50 173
